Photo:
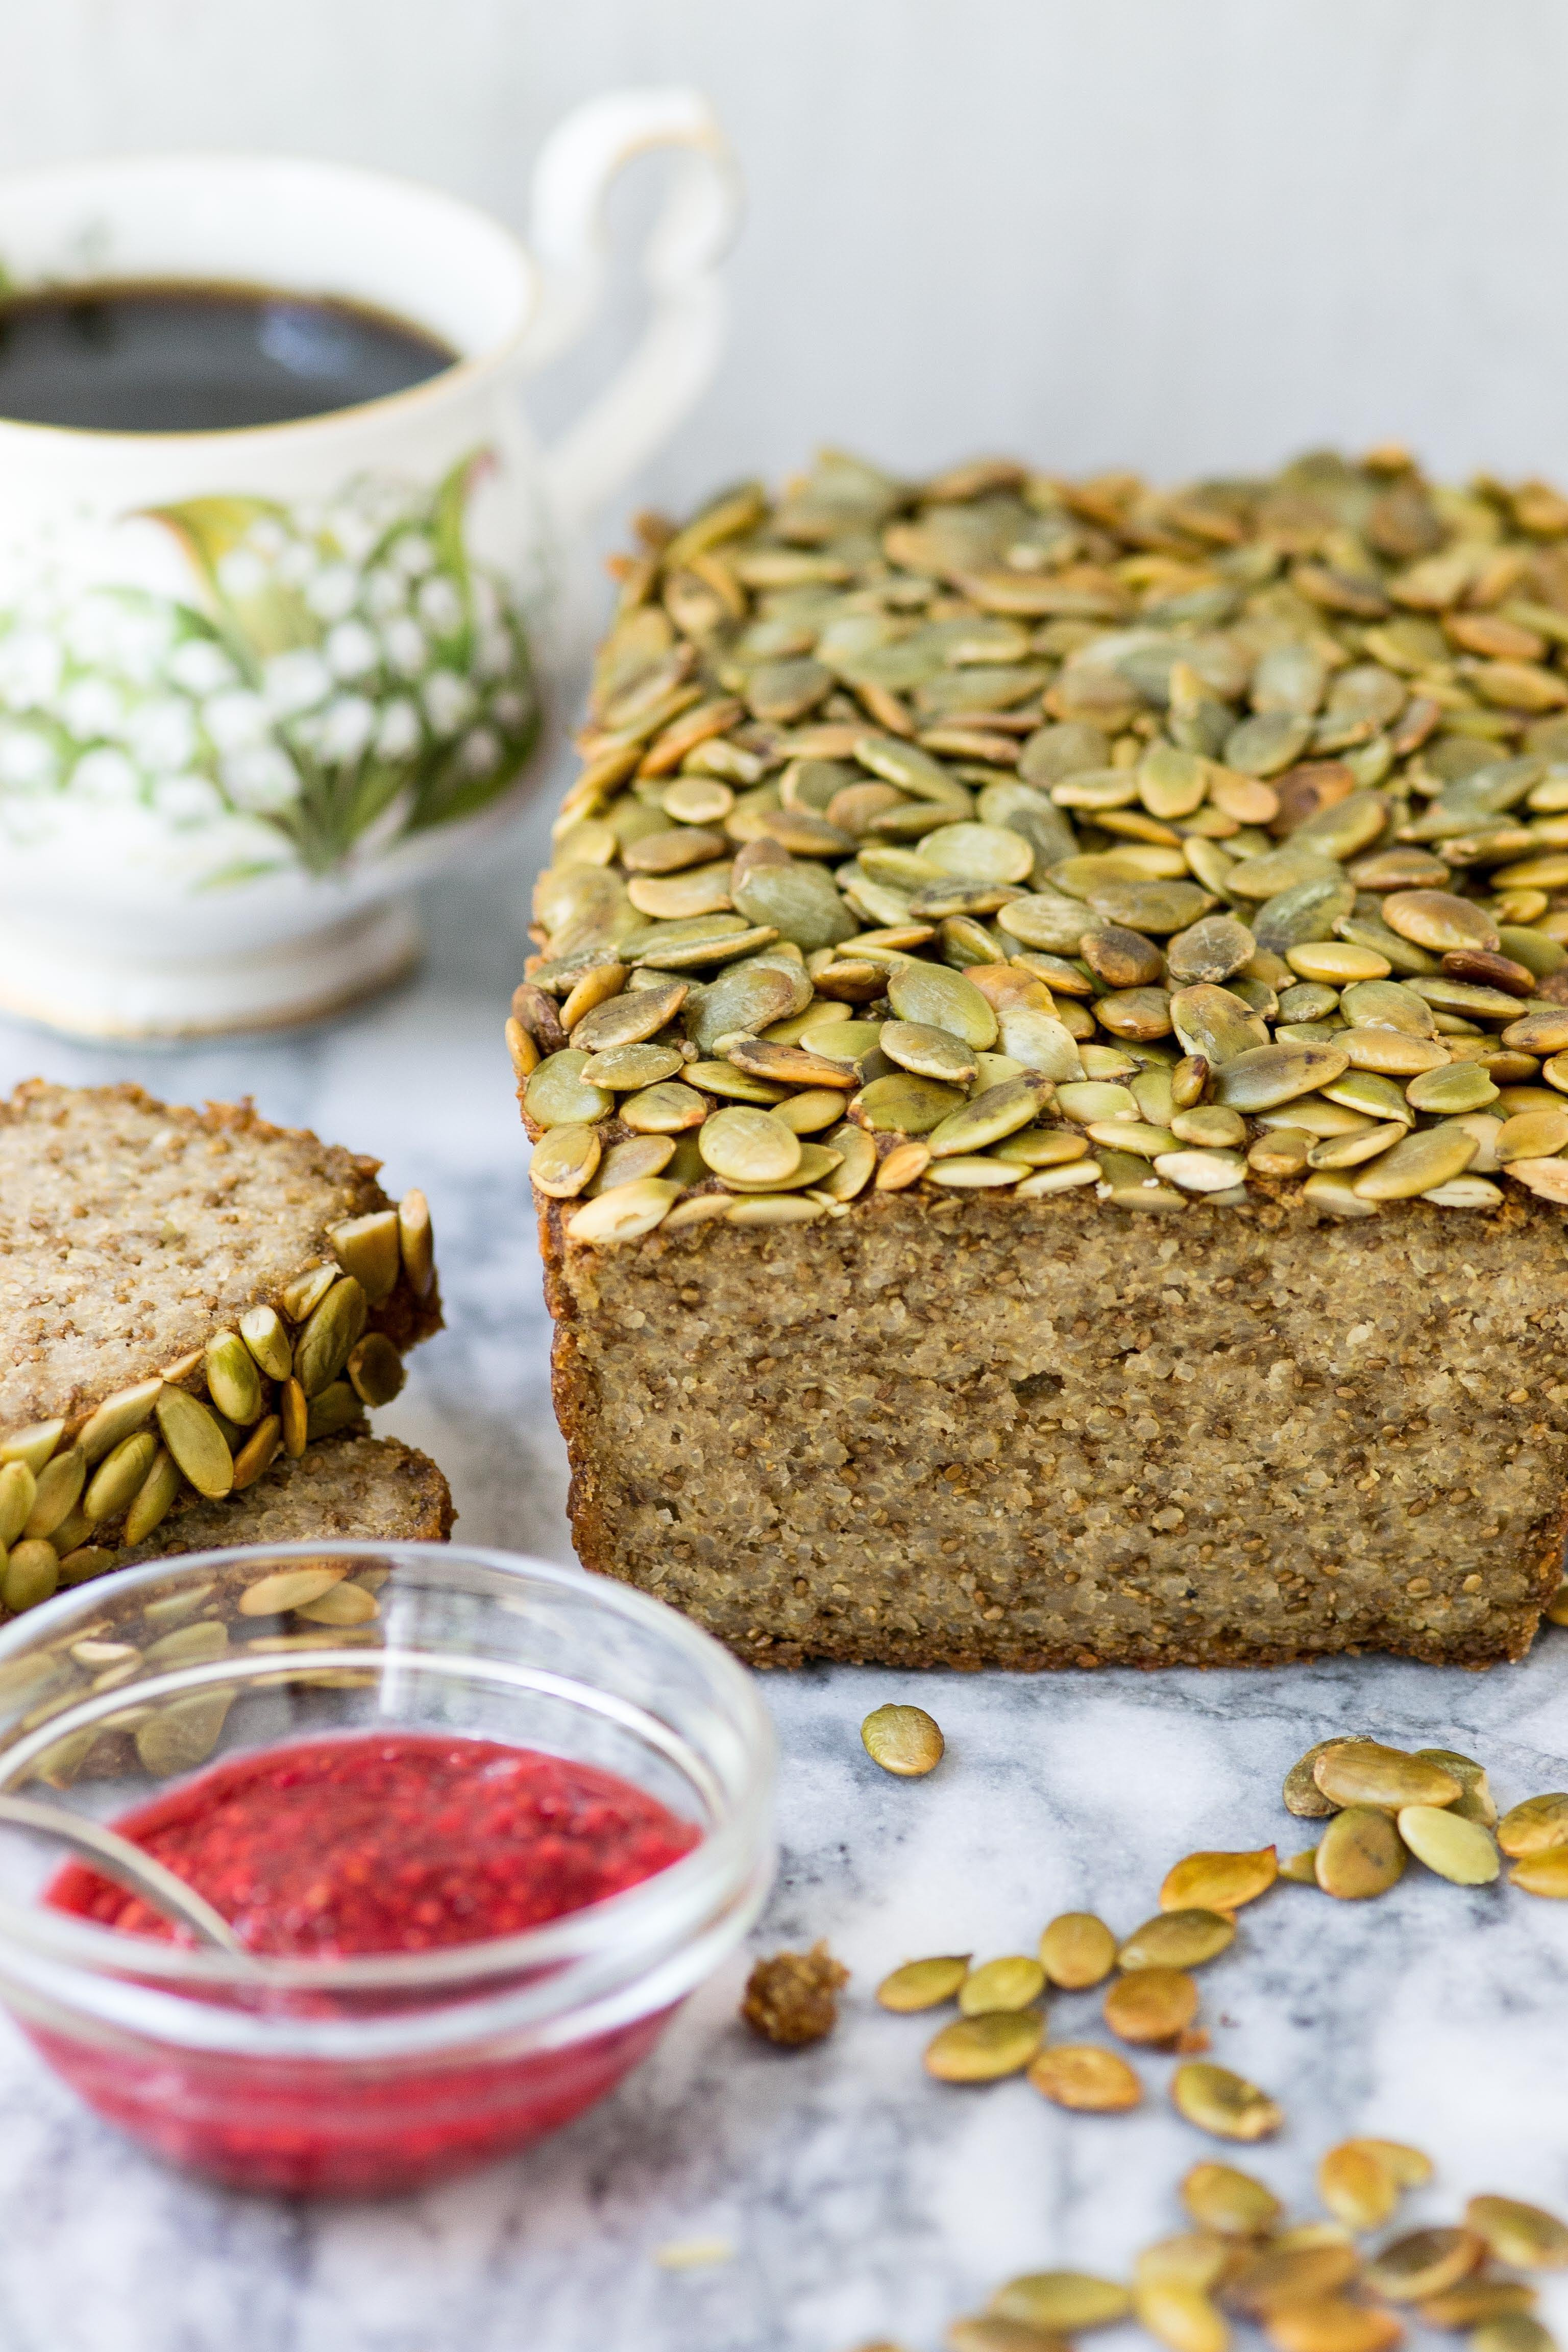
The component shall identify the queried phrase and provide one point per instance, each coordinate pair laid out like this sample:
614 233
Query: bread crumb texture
130 1229
374 1489
969 1431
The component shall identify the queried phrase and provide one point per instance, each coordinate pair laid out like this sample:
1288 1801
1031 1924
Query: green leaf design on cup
342 676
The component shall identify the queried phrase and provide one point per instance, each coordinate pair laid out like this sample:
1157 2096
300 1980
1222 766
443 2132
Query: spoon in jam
115 1857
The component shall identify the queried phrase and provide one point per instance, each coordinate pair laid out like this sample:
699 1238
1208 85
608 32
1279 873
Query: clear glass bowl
363 2076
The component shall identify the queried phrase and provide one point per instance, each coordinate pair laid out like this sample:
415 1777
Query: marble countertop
860 2200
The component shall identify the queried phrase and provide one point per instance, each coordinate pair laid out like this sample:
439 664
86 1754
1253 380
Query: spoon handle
115 1857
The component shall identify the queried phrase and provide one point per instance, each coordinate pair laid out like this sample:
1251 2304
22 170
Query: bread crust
976 1430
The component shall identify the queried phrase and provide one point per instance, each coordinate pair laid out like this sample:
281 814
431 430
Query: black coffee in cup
181 357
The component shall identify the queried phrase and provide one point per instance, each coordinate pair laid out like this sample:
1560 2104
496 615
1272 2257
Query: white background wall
1180 234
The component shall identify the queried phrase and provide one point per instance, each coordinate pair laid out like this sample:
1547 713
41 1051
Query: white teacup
255 684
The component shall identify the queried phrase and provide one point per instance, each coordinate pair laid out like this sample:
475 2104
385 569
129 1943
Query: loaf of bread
1048 1066
186 1298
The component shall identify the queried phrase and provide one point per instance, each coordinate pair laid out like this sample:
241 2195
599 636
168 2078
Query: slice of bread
350 1486
187 1300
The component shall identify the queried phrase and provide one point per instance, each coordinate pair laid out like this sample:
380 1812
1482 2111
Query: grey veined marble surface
861 2199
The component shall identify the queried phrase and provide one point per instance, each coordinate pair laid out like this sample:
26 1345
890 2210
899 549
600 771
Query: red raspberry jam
387 1841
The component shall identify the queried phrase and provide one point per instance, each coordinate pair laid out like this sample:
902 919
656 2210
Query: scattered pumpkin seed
1536 1825
985 2049
1220 1882
1233 2203
1453 1847
1177 1940
1476 2301
1222 2103
923 1984
1525 2235
1425 2263
1014 1982
1357 2185
1086 2078
1063 2302
904 1740
1150 2004
1364 1772
1360 1855
1077 1950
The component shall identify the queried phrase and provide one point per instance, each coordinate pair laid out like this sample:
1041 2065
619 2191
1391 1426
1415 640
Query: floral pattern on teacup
340 676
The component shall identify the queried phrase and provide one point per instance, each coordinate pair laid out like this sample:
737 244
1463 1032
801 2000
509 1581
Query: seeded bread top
1000 831
130 1228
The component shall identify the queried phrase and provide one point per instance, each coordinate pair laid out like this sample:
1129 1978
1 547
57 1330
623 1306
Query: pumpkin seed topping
910 755
904 1740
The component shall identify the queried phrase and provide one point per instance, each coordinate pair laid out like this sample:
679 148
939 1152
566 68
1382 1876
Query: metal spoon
127 1864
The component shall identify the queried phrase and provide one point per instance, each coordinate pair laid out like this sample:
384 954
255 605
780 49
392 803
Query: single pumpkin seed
1280 2274
1536 1825
986 2331
263 1332
1228 2105
233 1378
56 1492
305 1293
1360 1855
376 1369
1475 1802
325 1341
1303 1795
154 1498
1356 2185
1233 2203
1197 2258
1453 1848
931 996
119 1477
1364 1772
1084 2078
18 1488
116 1418
337 1407
985 2049
1517 2332
1181 2317
179 1736
1013 1982
625 1211
1331 2323
564 1160
1477 2301
749 1145
998 1111
1525 2235
295 1416
416 1242
1150 2004
557 1095
33 1445
32 1574
1425 2263
1270 1074
343 1604
1220 1882
259 1452
1063 2302
1543 1873
1177 1940
1078 1950
286 1588
923 1984
368 1247
904 1740
904 1105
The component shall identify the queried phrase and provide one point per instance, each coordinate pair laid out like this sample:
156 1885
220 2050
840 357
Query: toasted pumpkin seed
1078 1950
1475 2302
1526 2235
986 2331
1014 1982
154 1498
263 1332
1331 2324
904 1740
1222 2103
1543 1873
1231 2202
1357 2185
1536 1825
985 2049
1220 1882
1182 2316
1516 2332
1150 2004
32 1574
1089 2080
1196 2259
1364 1772
193 1436
1475 1802
923 1984
1360 1855
1453 1848
182 1735
18 1487
1425 2263
1281 2274
1063 2302
1177 1940
286 1588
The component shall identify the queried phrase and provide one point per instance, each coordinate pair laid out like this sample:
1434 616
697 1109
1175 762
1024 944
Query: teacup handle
675 360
